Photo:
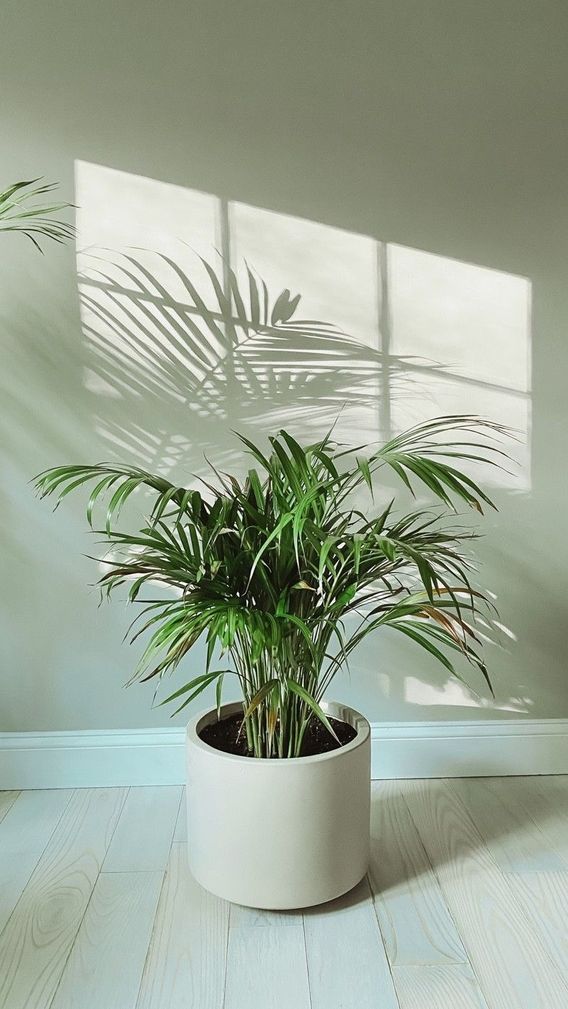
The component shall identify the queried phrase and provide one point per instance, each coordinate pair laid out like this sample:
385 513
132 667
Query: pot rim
333 708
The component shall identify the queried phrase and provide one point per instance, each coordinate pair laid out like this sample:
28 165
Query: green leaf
261 695
19 213
365 470
301 692
422 640
219 694
195 687
284 521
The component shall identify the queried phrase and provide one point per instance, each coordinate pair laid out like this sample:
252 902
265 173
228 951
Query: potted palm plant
270 571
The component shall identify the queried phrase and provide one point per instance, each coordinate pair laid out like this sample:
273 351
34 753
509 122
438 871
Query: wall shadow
214 328
170 378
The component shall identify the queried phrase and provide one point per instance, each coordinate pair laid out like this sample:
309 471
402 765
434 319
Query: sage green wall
434 124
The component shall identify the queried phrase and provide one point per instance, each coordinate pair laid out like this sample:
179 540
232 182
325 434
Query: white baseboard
94 759
469 749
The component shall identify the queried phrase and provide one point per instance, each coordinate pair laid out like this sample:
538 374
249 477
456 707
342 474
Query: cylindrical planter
279 833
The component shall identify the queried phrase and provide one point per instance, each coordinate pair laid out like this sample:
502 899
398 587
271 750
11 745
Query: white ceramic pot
279 833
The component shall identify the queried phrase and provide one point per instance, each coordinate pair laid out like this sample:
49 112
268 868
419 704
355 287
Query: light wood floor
466 906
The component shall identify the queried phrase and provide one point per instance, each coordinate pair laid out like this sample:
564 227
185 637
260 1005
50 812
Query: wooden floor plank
25 829
105 967
509 961
143 837
461 869
31 820
545 799
266 968
7 799
347 963
544 896
413 916
40 933
515 841
452 986
185 967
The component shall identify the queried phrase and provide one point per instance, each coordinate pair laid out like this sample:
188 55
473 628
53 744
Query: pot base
331 896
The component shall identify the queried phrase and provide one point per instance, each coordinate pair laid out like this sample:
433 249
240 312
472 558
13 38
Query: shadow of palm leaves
194 361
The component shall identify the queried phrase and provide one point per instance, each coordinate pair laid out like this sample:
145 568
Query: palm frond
23 208
267 568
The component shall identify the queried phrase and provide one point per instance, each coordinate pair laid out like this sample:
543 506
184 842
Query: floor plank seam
150 941
381 938
307 961
150 949
9 806
226 964
177 816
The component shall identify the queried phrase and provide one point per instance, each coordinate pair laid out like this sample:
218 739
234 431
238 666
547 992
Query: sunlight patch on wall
337 272
474 320
454 694
336 269
408 335
473 325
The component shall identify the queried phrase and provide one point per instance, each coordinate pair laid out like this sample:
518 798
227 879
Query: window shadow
170 375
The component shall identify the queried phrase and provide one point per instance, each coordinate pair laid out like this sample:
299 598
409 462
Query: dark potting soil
226 735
